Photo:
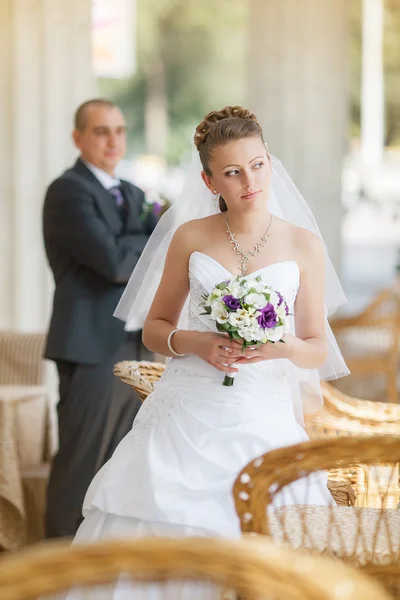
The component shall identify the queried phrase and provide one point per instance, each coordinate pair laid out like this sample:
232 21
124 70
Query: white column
45 73
372 86
297 82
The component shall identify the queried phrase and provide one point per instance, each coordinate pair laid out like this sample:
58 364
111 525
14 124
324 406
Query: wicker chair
258 569
141 376
22 366
370 345
21 358
342 416
366 537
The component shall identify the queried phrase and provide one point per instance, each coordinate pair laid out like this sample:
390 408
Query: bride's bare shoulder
189 235
203 224
305 245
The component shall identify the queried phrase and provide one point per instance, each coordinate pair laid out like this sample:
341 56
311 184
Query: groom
94 233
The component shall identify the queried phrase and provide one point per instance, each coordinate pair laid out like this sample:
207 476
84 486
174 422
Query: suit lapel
134 221
104 200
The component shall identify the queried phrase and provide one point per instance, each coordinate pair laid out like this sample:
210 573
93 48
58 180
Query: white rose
259 286
236 290
281 311
218 310
239 318
257 300
258 334
274 299
223 318
274 335
246 334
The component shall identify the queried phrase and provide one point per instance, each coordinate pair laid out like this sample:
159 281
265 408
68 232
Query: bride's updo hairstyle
220 127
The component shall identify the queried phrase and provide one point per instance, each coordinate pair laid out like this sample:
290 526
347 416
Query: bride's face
240 173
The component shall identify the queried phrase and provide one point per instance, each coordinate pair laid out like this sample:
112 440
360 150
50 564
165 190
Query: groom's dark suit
92 245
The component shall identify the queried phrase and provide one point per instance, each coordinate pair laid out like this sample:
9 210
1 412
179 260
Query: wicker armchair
23 376
141 376
343 415
366 537
253 568
21 358
369 342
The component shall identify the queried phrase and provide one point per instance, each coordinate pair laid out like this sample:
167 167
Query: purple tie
119 199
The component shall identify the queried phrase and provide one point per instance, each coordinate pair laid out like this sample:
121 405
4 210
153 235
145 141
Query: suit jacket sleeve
72 222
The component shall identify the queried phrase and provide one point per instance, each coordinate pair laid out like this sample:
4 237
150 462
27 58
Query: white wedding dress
173 473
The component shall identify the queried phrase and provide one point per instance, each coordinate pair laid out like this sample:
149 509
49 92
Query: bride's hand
269 351
217 350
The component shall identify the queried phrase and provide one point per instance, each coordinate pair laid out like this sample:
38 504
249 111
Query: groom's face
102 138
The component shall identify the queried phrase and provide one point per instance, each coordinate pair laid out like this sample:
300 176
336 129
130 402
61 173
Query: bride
173 473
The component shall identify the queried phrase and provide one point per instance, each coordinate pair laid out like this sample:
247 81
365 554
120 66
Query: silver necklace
245 255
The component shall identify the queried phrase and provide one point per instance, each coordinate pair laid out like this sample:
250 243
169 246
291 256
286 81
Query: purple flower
157 208
231 302
281 299
267 319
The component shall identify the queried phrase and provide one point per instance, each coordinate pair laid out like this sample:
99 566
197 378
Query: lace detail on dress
289 292
277 391
195 323
197 293
175 373
158 408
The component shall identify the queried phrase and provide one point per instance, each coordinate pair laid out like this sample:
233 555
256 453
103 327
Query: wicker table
24 441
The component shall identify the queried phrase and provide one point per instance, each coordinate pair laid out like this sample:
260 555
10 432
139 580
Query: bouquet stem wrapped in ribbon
249 311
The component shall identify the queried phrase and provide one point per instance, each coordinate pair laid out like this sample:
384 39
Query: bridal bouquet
249 311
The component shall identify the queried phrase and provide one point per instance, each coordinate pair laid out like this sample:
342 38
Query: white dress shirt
106 180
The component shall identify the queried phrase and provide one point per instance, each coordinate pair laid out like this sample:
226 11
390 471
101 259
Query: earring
215 192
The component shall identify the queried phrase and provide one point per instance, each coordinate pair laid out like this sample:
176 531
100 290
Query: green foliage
201 46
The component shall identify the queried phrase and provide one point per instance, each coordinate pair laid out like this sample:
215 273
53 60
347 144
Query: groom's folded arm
71 222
